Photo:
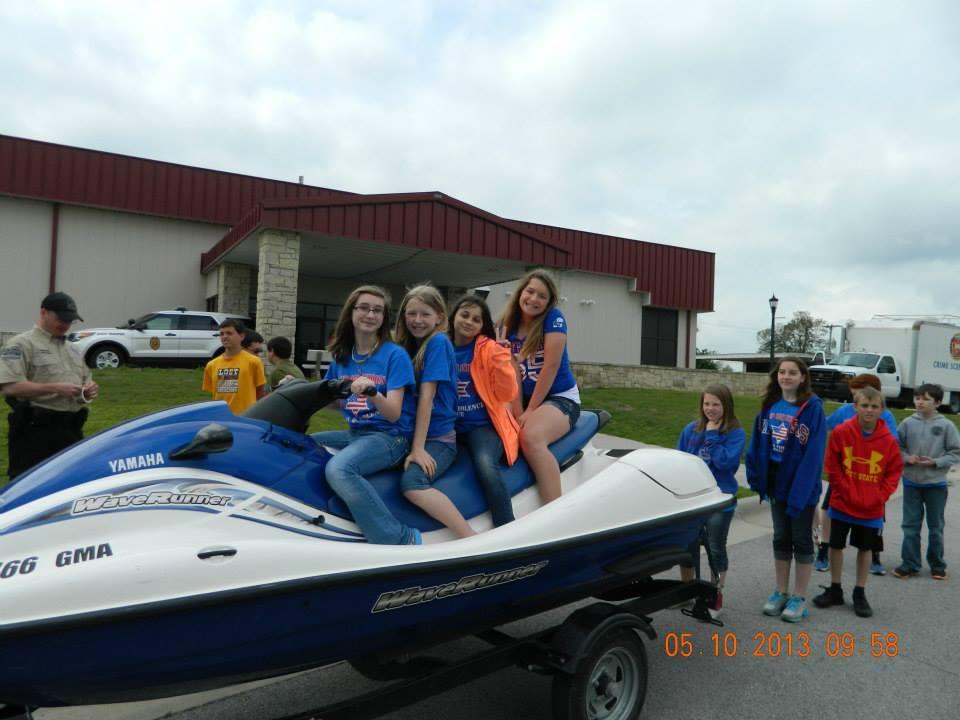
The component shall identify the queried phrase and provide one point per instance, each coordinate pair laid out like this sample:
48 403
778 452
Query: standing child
421 330
784 462
718 439
379 426
838 416
486 385
235 376
863 465
550 405
930 445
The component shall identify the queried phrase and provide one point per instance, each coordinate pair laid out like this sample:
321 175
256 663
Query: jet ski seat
459 482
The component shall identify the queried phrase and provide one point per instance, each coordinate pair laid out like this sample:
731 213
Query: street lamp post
773 319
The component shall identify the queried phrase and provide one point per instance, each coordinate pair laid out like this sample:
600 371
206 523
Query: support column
234 282
277 276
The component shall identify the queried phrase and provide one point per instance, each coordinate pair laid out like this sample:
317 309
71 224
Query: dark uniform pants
36 434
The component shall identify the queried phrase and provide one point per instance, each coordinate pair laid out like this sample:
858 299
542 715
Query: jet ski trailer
191 549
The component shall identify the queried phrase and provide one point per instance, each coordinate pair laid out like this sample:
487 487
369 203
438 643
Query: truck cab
830 380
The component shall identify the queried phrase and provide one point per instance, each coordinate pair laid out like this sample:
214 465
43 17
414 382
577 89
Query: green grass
650 416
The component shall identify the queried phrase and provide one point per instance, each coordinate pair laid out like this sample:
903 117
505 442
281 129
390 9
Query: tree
802 334
707 364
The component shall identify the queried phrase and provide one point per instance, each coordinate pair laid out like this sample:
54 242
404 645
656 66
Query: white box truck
902 352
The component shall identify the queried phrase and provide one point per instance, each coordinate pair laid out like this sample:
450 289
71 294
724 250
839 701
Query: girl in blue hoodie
717 438
784 464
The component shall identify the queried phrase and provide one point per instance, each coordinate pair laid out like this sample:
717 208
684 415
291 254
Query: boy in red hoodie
863 466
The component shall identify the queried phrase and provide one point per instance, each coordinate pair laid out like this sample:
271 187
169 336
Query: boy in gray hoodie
930 444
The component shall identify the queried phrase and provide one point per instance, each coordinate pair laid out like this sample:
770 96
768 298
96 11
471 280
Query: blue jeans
914 501
713 536
792 537
443 454
363 452
486 449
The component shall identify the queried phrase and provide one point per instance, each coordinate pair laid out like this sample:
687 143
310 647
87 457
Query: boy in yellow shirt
236 376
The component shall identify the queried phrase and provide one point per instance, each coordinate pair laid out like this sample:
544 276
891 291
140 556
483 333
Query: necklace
363 358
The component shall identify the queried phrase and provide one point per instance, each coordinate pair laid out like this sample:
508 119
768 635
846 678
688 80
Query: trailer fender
577 634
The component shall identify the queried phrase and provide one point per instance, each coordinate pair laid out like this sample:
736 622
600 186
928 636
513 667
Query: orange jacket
495 378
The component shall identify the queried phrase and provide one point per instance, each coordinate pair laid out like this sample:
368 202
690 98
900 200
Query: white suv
167 336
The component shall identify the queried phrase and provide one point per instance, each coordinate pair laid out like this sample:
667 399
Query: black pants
36 434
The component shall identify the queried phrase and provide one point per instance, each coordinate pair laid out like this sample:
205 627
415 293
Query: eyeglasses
369 309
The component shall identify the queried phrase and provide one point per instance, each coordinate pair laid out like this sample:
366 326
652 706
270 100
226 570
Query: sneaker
903 572
716 607
861 607
415 537
938 574
822 563
829 597
877 569
775 603
795 610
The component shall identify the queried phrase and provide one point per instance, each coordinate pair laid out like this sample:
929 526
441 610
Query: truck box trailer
903 353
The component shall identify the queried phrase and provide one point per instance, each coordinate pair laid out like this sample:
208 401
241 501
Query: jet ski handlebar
293 404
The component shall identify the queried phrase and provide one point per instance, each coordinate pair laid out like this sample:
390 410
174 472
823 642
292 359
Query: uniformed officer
47 384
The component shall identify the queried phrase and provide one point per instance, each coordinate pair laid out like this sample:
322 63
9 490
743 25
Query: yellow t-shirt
235 380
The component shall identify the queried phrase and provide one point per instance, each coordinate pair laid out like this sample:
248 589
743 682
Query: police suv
167 336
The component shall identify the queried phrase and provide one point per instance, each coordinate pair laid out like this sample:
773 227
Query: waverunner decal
395 599
135 462
99 503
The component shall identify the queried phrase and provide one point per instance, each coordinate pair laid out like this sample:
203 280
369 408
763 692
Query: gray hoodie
935 437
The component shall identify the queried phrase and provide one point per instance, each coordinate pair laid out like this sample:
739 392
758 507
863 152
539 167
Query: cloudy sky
813 146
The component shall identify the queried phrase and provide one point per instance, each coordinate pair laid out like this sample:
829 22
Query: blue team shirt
779 419
530 367
440 366
471 412
390 369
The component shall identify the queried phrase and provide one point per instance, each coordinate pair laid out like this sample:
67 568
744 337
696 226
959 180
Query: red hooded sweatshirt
863 471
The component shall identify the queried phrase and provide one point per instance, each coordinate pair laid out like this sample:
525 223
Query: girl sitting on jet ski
380 426
421 330
550 406
487 382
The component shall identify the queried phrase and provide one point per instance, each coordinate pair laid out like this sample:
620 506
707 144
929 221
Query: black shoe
903 572
830 596
861 607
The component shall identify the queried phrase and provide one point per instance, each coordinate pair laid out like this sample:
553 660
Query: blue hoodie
720 451
798 479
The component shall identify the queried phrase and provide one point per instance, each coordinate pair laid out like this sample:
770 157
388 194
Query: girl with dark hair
487 384
717 438
379 426
550 403
784 464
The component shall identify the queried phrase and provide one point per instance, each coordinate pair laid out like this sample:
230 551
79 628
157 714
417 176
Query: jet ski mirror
213 438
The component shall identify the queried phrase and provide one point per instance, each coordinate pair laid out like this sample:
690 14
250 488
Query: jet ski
192 548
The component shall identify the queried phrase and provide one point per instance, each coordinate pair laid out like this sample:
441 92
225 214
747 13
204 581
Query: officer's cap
63 305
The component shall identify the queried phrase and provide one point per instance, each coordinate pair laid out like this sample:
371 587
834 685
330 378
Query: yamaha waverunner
191 548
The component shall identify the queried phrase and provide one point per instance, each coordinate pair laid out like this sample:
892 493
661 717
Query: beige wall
24 261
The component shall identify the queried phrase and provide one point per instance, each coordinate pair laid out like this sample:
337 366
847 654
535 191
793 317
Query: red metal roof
675 277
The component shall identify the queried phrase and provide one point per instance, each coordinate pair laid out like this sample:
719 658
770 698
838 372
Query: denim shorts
443 454
565 405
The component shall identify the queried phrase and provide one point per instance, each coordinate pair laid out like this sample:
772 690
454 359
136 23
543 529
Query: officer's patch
11 353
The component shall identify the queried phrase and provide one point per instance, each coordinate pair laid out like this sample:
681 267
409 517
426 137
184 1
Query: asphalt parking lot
900 663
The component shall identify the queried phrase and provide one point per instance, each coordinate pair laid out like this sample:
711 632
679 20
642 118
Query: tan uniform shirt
39 357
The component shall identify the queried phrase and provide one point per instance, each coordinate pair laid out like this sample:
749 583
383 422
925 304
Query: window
161 322
658 337
886 365
198 322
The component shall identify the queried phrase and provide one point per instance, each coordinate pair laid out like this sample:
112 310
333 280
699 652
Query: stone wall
277 279
234 287
598 375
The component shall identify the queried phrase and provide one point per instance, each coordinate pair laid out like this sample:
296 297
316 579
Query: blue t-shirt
440 366
779 420
471 412
849 410
389 367
530 367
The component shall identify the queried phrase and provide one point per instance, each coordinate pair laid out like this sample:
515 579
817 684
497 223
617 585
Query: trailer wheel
610 682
